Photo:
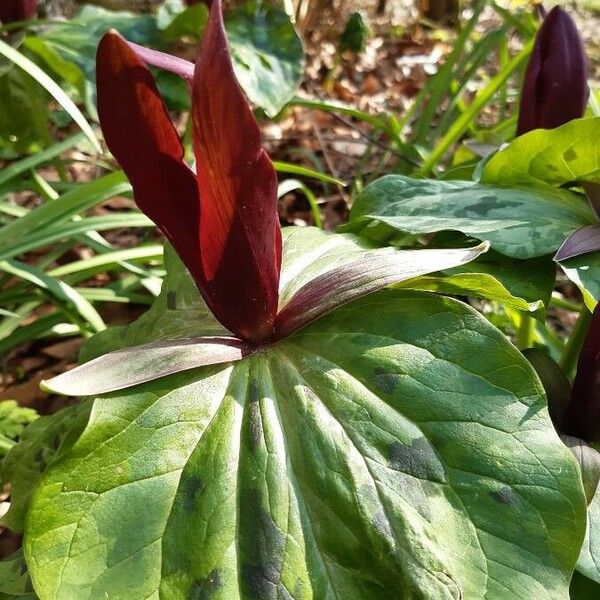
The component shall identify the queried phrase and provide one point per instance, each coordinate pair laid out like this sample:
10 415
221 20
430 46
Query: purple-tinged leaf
589 463
139 364
240 235
582 241
582 417
555 88
366 275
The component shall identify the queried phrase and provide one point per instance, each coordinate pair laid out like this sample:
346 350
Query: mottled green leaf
521 222
365 457
567 154
267 54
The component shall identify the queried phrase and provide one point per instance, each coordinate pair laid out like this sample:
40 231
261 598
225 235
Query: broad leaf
368 456
267 54
567 154
14 418
518 222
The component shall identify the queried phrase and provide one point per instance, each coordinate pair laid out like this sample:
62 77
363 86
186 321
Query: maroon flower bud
555 88
582 417
17 10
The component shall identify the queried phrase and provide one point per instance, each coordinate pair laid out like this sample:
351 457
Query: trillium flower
17 10
582 416
555 88
221 217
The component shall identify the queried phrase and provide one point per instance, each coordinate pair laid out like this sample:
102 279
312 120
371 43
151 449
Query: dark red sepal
240 235
582 417
555 88
141 136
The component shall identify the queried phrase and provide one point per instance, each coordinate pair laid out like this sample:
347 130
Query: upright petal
240 235
141 136
555 88
582 418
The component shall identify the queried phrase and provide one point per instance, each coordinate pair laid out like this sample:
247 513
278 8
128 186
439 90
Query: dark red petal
582 418
555 88
239 230
141 136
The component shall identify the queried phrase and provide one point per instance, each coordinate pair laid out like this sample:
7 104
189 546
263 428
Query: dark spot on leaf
171 301
504 495
205 588
253 391
254 416
262 545
417 459
191 486
485 204
570 154
385 382
260 581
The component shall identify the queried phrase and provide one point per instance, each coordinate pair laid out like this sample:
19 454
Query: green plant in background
13 420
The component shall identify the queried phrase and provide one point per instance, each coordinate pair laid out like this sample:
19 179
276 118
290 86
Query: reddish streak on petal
140 134
239 231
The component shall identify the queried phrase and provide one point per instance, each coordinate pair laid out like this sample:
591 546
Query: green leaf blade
524 222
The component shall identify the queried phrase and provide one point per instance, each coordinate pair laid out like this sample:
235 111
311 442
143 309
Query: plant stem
568 360
526 332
